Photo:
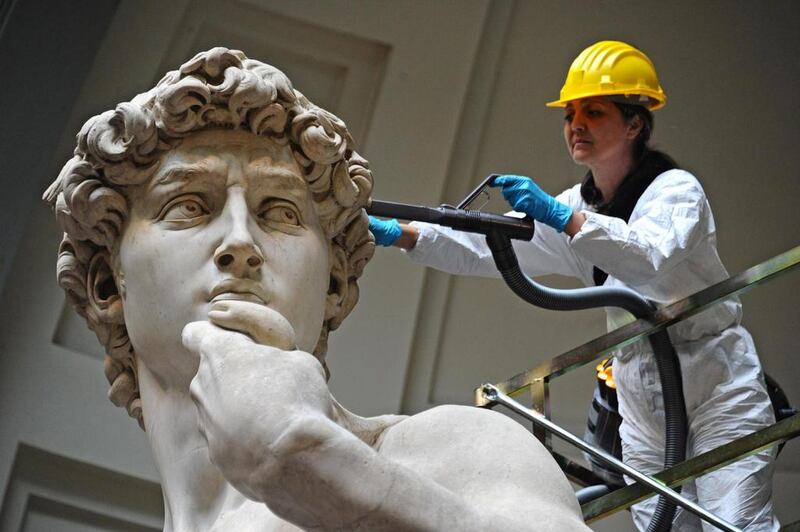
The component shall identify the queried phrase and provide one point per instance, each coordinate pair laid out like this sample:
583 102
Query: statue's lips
238 296
238 290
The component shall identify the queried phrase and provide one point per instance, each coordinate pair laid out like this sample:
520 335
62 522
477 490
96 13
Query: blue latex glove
386 232
525 196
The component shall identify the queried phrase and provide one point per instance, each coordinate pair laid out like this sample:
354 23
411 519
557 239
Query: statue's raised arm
214 233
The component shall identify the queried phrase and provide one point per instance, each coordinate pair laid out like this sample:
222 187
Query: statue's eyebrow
284 179
182 172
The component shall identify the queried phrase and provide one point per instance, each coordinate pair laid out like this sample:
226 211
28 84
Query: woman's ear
635 127
338 287
102 291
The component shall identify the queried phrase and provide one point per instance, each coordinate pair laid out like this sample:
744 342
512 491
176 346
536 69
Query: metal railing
537 381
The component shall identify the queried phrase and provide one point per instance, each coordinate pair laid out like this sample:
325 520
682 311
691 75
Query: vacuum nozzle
460 219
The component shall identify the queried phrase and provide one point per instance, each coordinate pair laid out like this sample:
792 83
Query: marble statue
214 233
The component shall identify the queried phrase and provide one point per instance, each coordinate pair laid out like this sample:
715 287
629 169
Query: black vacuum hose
666 360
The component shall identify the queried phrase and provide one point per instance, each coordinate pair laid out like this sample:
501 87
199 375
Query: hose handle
489 181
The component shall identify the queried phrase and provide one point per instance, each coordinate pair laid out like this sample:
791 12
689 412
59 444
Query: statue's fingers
265 325
202 336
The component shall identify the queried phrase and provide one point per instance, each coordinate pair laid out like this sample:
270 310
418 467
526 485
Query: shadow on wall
48 492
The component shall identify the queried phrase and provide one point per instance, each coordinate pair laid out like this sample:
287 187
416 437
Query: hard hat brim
655 100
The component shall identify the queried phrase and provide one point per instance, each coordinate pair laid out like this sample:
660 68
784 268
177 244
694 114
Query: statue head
161 180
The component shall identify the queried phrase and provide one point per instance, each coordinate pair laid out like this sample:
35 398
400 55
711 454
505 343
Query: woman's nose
238 253
578 123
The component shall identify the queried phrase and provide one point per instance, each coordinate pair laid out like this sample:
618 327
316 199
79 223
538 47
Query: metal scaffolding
537 381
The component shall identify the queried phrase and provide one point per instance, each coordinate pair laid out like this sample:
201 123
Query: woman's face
596 132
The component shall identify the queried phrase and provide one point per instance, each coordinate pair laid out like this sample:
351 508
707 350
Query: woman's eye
184 210
568 117
280 212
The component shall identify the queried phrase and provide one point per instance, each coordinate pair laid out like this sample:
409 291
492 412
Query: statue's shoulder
482 455
448 425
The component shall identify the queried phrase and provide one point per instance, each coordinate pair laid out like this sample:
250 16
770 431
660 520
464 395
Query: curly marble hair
219 88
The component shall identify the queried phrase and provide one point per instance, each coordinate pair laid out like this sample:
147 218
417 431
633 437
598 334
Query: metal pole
493 394
692 468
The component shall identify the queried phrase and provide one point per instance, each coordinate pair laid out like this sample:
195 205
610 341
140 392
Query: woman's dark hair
648 164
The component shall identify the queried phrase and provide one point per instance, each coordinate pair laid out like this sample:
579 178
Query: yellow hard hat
612 68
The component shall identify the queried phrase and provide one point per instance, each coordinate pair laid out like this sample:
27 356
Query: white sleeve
452 251
671 217
467 253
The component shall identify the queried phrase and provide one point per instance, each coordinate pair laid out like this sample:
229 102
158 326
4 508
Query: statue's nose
239 259
238 254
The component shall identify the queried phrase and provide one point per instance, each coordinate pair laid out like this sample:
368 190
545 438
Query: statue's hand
262 324
249 395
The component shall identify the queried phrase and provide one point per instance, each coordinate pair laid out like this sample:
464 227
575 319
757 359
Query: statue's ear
337 289
103 293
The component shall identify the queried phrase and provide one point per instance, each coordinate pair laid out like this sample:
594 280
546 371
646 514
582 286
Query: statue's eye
184 209
281 212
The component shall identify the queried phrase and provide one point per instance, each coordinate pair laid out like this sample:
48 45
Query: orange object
605 373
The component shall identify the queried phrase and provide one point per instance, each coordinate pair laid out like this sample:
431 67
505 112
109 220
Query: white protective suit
665 252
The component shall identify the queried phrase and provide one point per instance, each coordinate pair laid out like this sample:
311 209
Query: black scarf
652 164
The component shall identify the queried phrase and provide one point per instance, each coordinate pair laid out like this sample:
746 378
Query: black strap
599 276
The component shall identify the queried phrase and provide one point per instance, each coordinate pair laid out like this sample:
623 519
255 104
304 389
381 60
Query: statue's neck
195 492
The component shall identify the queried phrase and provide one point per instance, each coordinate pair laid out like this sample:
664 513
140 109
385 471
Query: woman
637 221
